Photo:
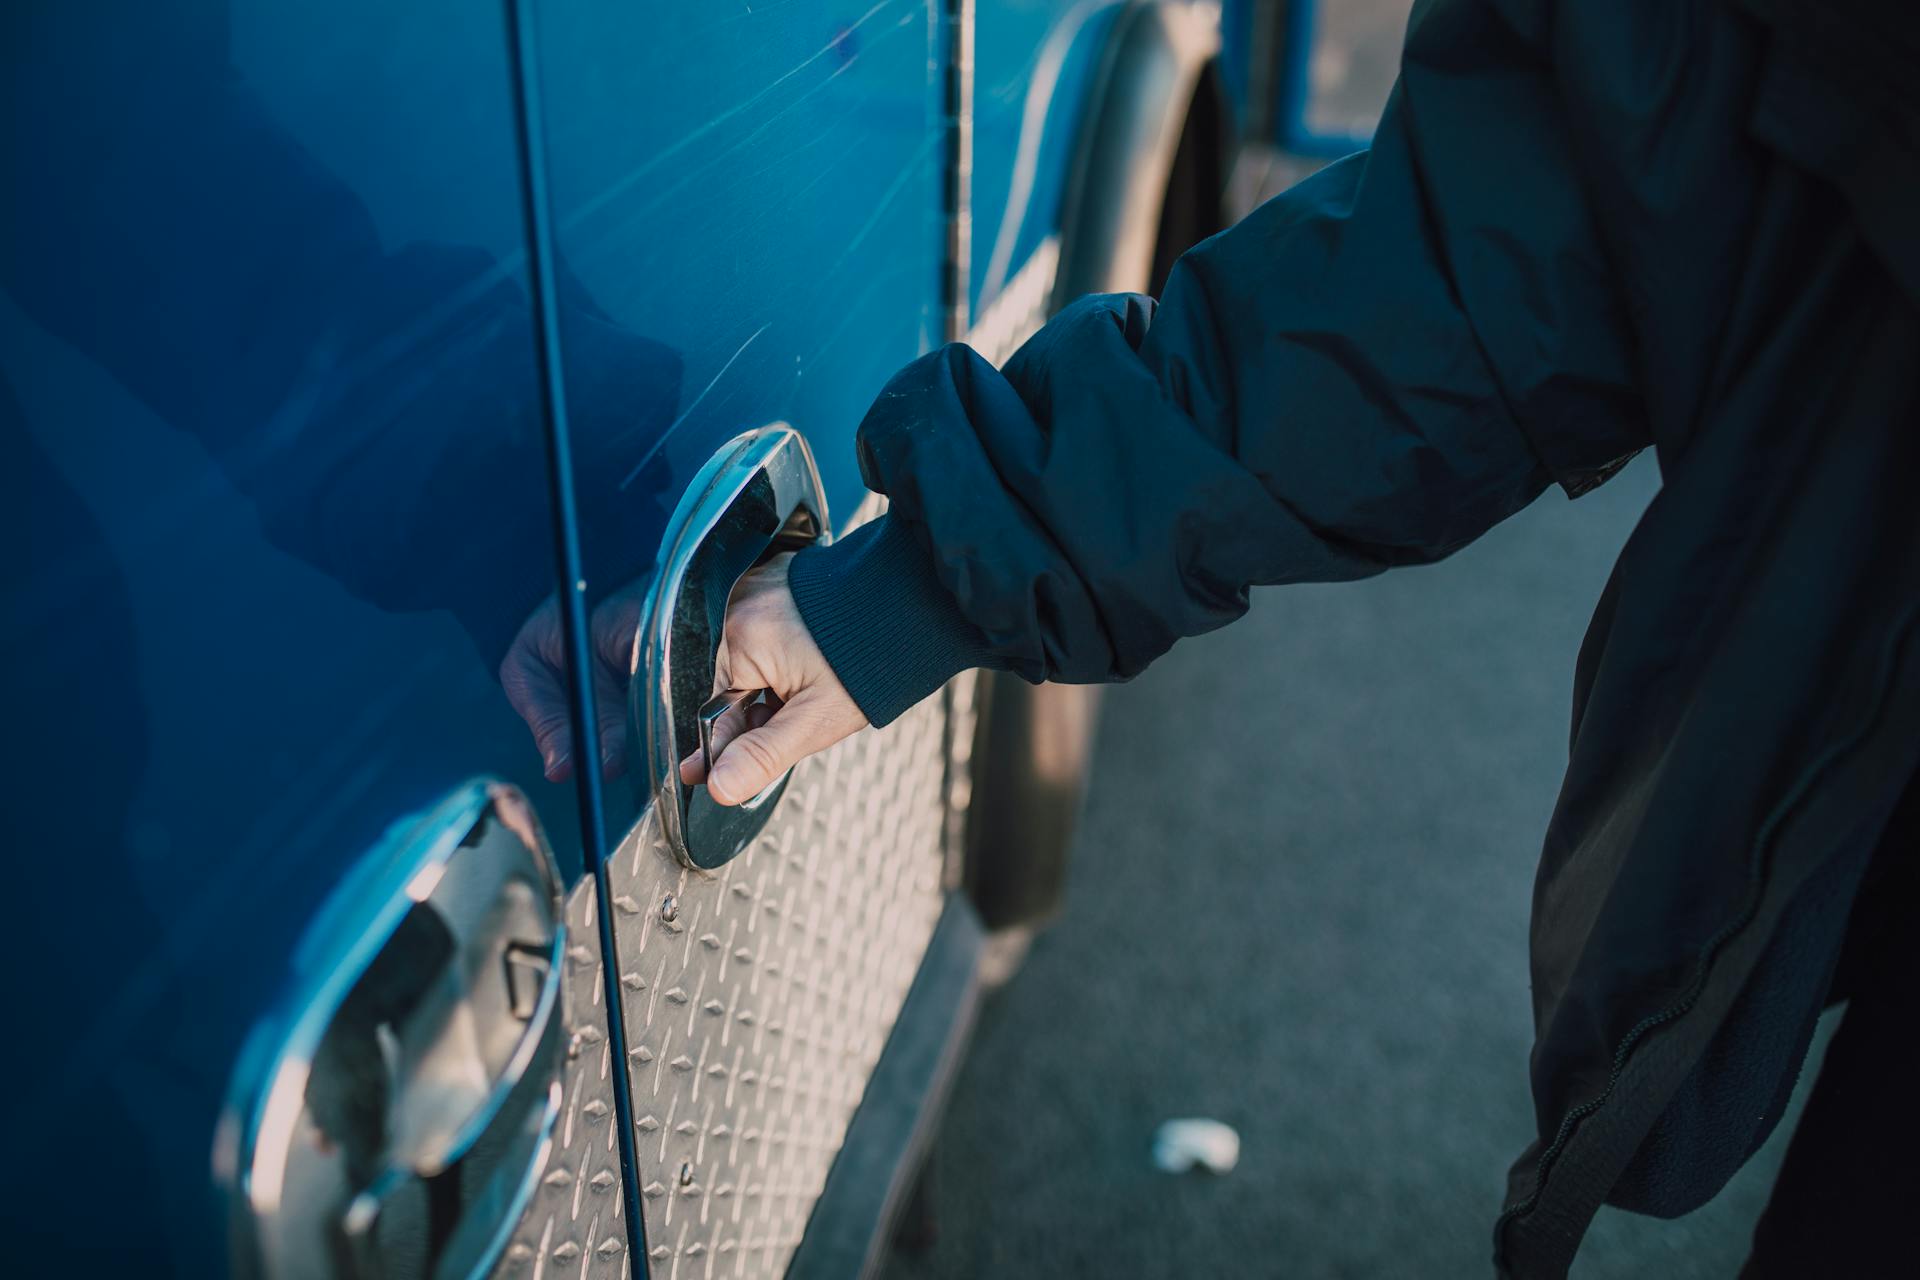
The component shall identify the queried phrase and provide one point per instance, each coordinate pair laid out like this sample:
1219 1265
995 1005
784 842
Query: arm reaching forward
1370 370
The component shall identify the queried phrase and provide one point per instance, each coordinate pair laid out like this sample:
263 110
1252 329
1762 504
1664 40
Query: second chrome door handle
759 495
391 1116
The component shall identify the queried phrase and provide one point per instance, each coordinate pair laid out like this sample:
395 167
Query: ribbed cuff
877 609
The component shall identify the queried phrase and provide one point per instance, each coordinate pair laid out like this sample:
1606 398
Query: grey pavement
1299 905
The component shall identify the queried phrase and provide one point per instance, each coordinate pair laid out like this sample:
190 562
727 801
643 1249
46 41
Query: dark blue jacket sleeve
1370 370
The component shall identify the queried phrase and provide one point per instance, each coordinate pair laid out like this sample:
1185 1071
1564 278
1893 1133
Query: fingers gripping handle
711 713
758 496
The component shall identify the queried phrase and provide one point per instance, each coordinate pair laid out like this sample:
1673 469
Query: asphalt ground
1299 905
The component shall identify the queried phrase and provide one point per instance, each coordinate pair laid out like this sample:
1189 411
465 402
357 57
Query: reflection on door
271 435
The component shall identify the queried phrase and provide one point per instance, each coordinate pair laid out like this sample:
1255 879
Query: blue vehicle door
1035 65
760 191
361 368
278 501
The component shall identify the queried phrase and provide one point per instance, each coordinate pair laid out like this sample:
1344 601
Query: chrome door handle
390 1118
759 495
710 714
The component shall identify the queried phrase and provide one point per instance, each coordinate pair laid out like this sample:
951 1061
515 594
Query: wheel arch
1147 180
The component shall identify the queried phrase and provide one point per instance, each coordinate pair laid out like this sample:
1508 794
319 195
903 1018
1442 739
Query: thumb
756 757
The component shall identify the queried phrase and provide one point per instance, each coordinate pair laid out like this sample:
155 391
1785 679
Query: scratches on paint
909 171
857 145
856 309
686 413
691 178
633 177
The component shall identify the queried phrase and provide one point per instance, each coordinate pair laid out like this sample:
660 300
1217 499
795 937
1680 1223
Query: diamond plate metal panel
962 696
758 999
573 1226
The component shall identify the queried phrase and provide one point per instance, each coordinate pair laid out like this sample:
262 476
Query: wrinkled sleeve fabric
1370 370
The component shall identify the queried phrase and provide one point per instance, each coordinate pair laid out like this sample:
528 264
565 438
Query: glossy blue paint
1034 61
286 479
275 485
758 191
536 202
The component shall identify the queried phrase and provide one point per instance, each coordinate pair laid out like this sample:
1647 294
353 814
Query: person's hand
534 677
766 645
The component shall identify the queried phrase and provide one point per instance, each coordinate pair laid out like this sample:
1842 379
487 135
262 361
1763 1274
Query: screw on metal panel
669 909
686 1174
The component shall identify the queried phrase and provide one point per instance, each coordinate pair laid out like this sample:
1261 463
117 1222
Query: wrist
888 627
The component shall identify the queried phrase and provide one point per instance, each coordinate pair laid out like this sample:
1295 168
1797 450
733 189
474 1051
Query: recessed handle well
758 496
390 1117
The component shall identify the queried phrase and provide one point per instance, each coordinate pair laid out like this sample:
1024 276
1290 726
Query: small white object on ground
1179 1145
